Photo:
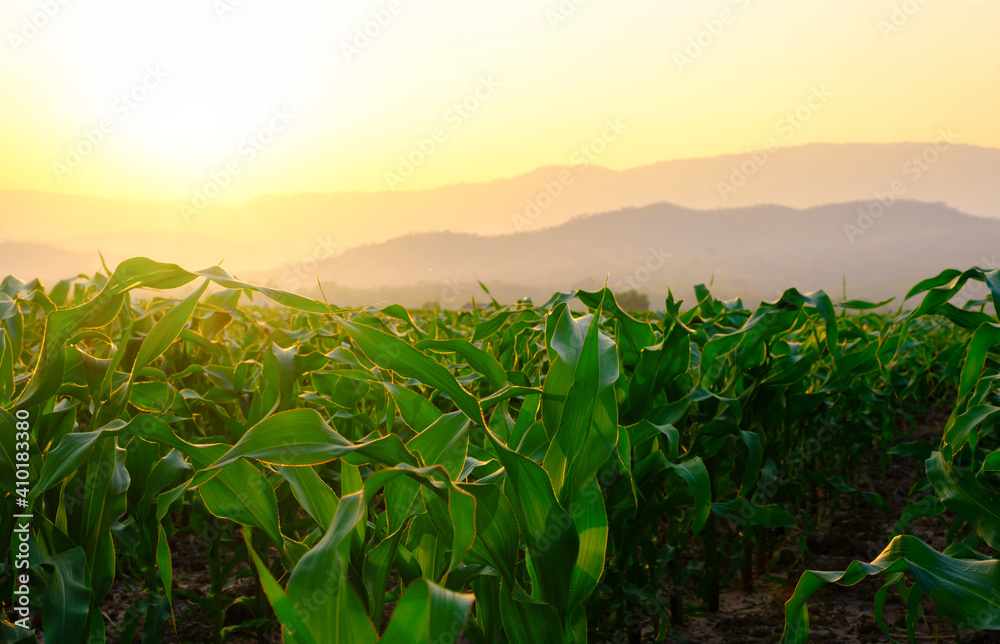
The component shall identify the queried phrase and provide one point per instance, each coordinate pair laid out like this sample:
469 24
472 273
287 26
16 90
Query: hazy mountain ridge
962 177
30 260
753 253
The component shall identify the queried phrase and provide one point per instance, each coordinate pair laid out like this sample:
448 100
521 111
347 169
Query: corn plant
520 473
963 583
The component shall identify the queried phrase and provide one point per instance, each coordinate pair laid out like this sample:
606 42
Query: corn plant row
563 472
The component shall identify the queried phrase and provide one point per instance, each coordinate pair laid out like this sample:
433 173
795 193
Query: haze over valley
883 215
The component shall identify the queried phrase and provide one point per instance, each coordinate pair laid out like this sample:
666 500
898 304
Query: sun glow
149 100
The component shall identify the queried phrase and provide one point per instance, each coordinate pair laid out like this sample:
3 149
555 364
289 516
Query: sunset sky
153 99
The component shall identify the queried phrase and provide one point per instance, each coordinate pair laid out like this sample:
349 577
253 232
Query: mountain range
755 221
754 253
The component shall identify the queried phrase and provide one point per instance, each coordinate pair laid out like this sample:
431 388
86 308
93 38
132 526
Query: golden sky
161 99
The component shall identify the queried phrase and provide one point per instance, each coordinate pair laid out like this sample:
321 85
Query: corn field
523 473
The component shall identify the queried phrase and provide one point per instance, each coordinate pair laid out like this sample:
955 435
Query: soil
840 615
194 624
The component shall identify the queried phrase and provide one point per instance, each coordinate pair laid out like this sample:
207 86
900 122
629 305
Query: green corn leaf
527 620
105 482
939 290
861 305
695 474
445 442
591 520
426 614
992 462
165 473
67 597
62 324
389 352
291 300
549 531
71 453
6 368
960 492
103 566
241 493
301 437
167 329
957 432
965 591
633 334
237 491
658 365
312 493
742 511
415 410
985 338
164 563
375 572
497 533
319 590
452 509
482 362
296 631
586 425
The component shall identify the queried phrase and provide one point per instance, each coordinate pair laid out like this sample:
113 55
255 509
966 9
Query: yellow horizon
161 102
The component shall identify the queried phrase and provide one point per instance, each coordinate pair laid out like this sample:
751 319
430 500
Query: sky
161 100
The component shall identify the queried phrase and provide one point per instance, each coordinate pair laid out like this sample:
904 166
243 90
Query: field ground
838 615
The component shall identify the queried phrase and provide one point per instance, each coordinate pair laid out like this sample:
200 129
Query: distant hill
44 261
961 177
754 253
